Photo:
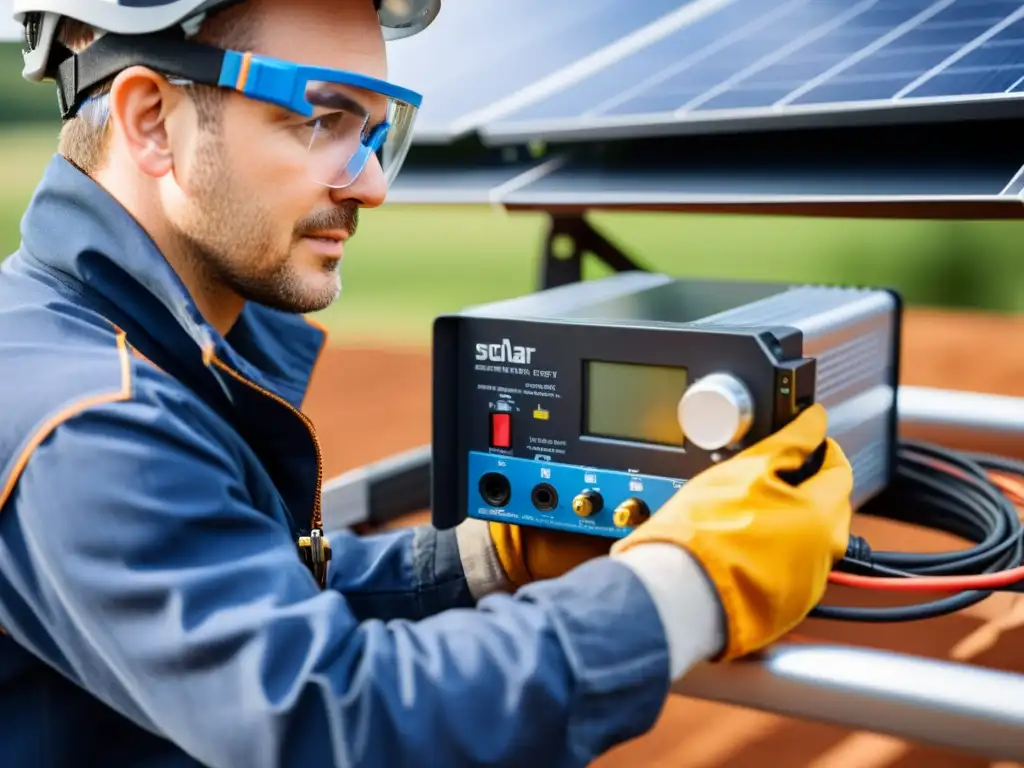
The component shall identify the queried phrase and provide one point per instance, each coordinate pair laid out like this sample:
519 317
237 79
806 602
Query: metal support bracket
569 238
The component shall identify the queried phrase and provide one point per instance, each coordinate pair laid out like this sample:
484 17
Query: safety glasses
352 117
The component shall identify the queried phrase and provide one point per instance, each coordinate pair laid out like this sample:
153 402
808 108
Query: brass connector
587 503
631 512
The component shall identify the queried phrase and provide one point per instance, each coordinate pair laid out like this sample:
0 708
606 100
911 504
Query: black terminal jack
544 497
495 489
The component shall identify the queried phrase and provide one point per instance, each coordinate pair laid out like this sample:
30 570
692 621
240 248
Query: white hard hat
40 18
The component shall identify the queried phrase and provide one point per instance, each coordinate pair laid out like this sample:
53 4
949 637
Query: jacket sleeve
183 607
409 573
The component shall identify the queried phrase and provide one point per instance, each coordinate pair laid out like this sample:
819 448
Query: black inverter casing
561 409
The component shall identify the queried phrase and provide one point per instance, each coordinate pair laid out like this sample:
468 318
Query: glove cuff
687 602
508 544
735 633
481 564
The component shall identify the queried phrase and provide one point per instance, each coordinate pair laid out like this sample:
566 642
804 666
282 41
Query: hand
531 554
767 546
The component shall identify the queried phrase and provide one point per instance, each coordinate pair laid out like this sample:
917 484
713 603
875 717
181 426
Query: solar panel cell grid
956 82
591 94
491 49
767 58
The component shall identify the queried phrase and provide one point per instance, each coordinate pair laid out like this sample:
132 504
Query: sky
9 31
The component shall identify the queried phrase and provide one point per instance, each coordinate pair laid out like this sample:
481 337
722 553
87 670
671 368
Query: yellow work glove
766 545
532 554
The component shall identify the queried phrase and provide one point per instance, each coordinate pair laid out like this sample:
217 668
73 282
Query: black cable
947 491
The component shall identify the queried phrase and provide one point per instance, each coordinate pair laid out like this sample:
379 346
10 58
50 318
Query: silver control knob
715 411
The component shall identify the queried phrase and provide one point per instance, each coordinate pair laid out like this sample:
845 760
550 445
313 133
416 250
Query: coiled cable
969 495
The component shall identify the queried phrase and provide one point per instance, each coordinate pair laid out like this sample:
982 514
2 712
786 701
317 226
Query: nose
369 188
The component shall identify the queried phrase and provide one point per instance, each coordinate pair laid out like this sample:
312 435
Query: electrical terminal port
587 503
631 512
495 489
544 497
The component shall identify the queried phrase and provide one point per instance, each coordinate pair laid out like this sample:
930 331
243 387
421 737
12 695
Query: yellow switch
631 512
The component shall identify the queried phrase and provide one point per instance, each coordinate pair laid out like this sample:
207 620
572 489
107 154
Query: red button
501 430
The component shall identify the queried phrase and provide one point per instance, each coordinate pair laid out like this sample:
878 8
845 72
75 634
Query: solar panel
486 56
840 189
811 62
885 170
480 184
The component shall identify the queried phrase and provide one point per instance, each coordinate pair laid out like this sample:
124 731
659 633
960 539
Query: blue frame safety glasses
353 116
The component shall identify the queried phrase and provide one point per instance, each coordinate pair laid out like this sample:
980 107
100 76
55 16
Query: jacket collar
74 227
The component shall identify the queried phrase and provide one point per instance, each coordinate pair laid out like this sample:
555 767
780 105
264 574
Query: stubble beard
230 244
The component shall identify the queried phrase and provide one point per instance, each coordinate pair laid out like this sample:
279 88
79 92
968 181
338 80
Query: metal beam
943 703
971 421
569 239
379 492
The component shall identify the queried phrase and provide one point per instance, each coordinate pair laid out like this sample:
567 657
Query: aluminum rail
973 413
379 492
943 703
966 420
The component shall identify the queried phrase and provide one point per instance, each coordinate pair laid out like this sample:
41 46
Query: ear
140 102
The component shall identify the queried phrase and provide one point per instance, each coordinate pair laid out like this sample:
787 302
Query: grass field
409 263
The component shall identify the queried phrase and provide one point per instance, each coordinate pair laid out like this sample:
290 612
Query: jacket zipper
315 549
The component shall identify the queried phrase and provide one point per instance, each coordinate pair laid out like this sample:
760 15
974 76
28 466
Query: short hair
84 137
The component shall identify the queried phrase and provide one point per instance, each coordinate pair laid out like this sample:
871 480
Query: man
164 581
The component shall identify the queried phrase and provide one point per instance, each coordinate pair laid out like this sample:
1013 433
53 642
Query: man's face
244 207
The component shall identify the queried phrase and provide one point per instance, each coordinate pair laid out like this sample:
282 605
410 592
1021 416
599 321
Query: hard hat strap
76 74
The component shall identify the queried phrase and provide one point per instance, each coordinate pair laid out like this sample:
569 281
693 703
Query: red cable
1014 490
929 583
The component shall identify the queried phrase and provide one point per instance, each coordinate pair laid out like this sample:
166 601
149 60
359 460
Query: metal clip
315 552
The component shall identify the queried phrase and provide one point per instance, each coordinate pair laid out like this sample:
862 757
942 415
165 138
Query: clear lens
354 125
399 139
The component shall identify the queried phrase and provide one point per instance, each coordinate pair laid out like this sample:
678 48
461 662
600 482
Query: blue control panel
541 494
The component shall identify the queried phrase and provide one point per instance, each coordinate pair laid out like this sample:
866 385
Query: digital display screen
627 401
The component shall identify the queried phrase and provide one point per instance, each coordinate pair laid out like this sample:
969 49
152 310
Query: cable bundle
968 495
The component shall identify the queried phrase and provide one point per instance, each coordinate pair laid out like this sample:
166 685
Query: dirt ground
369 403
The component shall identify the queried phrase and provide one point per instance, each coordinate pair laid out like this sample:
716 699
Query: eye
336 121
